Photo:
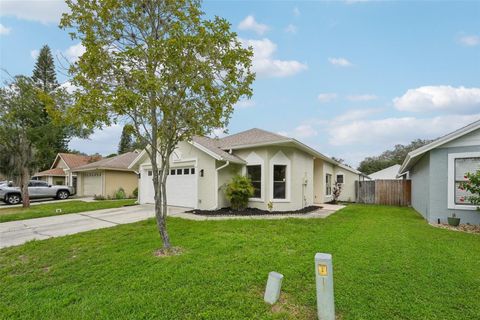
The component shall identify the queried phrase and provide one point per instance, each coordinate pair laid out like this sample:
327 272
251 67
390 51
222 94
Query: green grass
388 264
49 209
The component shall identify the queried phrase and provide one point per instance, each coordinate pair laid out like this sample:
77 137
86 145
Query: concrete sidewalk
18 232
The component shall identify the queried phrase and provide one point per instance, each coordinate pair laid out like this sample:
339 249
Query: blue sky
349 78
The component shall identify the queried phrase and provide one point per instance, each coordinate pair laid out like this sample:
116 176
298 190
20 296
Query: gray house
437 169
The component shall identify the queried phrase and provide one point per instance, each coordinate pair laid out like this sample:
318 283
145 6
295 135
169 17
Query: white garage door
181 187
92 183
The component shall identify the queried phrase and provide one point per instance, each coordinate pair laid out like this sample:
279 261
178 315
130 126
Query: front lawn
388 264
50 209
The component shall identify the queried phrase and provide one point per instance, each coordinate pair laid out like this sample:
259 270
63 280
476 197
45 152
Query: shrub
337 190
135 193
120 194
98 197
472 185
238 191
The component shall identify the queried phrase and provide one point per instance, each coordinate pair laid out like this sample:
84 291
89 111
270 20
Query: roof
73 160
51 172
251 137
212 146
387 173
415 155
120 163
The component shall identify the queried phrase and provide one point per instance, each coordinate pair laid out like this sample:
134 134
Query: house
436 170
60 173
389 173
283 170
106 176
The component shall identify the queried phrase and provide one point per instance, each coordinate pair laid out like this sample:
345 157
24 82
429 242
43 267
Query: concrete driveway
18 232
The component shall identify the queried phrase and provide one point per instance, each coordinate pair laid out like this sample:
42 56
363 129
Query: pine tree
55 139
44 74
126 142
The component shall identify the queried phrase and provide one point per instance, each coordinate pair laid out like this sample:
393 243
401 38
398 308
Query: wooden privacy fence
388 192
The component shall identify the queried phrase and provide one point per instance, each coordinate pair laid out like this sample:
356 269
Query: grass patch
49 209
388 264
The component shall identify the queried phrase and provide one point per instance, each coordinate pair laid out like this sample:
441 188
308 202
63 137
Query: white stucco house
283 170
436 170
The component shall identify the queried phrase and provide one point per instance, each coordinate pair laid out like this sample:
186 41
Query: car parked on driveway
36 189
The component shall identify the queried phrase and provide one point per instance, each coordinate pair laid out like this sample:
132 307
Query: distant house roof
119 163
55 172
415 155
73 160
387 173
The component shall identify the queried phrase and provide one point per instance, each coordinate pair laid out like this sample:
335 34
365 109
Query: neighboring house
61 171
389 173
106 176
436 170
283 170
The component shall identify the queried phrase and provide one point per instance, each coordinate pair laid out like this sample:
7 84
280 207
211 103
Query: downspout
216 182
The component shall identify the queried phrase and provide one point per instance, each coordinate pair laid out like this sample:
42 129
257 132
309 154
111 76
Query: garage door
92 183
181 187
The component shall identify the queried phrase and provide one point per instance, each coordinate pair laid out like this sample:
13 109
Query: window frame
261 179
327 185
281 159
452 182
343 177
276 181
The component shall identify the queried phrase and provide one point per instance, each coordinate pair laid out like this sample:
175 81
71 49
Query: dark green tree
44 75
126 141
390 157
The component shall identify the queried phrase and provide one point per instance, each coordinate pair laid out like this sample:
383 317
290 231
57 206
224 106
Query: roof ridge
252 129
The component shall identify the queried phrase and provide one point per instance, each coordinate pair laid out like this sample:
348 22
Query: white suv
36 189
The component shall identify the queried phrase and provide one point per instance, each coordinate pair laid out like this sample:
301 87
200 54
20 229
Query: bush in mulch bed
250 212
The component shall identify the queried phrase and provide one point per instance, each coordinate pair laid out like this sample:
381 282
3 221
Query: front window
279 181
254 173
328 184
462 167
340 178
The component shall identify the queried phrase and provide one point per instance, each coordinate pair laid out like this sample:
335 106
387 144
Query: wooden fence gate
387 192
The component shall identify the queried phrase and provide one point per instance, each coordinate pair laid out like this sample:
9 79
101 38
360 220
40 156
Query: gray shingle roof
213 146
250 137
120 162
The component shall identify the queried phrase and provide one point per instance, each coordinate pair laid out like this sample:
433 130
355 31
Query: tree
20 127
56 136
390 157
160 66
126 142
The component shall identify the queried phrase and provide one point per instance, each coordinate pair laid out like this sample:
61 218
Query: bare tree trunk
159 182
24 180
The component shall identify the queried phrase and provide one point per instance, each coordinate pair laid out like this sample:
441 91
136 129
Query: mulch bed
250 212
469 228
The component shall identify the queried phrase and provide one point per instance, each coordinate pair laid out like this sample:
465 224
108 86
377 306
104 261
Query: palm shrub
238 191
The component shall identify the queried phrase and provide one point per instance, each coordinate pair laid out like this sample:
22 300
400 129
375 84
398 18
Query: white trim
437 143
451 180
281 159
216 183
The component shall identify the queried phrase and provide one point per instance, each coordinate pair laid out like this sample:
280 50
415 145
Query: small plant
120 194
238 191
453 220
98 197
472 185
135 193
337 190
270 205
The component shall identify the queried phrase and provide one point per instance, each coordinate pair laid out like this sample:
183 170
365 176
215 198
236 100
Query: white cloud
74 52
249 24
44 11
304 131
470 40
4 30
103 141
362 97
244 104
326 97
34 54
296 12
439 98
356 114
341 62
396 130
291 28
265 65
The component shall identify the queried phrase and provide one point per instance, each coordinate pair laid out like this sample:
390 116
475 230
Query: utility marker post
324 279
274 286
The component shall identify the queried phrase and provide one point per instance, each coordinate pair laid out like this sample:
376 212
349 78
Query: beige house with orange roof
60 173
